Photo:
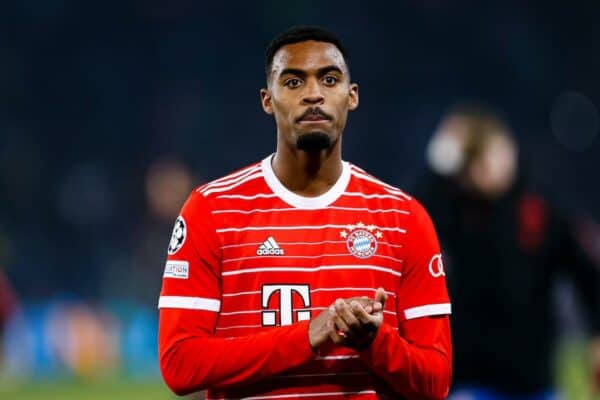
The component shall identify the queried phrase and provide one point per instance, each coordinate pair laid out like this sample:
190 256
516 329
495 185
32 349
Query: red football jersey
250 263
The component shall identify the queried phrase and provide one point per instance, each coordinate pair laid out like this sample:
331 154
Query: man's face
309 93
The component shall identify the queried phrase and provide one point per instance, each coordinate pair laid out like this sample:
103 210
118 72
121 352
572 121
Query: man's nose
313 93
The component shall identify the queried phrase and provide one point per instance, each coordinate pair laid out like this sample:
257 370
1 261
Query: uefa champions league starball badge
361 239
178 236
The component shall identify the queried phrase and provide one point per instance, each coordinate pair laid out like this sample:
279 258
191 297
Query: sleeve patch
177 269
178 236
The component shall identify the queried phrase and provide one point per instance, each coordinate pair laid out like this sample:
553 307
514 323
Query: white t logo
436 266
286 310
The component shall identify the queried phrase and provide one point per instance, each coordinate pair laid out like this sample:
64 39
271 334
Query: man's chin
314 141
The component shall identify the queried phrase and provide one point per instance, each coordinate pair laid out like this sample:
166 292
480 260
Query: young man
302 276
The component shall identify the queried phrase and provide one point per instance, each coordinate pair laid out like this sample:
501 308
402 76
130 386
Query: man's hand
355 323
322 327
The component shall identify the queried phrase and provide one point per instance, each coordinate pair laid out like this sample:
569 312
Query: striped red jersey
250 263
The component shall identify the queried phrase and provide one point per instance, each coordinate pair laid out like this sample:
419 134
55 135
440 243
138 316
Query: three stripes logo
269 248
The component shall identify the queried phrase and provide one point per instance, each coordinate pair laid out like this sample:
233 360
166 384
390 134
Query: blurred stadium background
110 113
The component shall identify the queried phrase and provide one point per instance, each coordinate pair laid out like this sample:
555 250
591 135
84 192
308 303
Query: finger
361 313
345 312
381 296
334 335
376 307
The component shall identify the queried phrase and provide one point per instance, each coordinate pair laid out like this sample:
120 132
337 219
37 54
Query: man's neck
305 173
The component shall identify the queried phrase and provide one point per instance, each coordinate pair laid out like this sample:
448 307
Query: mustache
314 111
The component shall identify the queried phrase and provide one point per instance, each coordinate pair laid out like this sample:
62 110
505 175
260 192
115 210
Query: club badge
361 239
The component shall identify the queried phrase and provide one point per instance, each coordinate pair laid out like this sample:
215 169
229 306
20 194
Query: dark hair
297 34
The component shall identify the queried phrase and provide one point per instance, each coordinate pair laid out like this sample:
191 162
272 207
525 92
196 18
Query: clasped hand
349 322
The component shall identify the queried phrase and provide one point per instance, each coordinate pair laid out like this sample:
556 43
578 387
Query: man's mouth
314 115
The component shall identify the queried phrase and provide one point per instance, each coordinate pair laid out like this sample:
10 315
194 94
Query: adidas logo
269 248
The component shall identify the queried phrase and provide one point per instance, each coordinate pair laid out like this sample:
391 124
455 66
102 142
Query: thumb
381 296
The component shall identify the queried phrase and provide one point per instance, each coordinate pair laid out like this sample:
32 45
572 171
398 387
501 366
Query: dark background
94 96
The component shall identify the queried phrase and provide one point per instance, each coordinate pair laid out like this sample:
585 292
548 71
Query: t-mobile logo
286 301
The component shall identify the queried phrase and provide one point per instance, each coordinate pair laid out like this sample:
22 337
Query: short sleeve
191 279
422 291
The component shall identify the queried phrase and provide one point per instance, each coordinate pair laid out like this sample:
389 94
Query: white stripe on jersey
247 311
226 180
348 357
328 374
347 289
227 260
238 183
388 188
265 210
372 196
285 243
302 309
427 310
242 197
238 327
190 303
296 227
236 173
398 192
294 395
304 243
308 269
341 289
240 293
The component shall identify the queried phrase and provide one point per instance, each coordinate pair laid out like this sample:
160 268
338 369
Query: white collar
310 203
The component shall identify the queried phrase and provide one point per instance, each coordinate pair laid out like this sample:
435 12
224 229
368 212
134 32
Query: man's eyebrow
320 71
292 71
328 69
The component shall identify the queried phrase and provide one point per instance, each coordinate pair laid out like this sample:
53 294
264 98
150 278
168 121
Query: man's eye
293 83
330 80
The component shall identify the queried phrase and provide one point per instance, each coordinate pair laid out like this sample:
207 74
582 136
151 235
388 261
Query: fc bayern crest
361 239
178 236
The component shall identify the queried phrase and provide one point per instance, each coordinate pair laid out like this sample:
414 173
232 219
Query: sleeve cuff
428 310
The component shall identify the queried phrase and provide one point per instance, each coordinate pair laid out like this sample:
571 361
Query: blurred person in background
274 282
504 245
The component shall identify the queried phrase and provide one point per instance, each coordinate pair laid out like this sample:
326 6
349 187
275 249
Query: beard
314 141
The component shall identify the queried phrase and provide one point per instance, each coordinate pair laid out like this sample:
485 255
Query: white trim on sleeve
190 303
429 309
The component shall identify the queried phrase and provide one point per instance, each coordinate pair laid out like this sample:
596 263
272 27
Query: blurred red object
8 300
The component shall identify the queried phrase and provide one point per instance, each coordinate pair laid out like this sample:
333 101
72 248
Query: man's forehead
308 55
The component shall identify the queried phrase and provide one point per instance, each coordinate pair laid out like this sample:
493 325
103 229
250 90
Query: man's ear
265 100
353 97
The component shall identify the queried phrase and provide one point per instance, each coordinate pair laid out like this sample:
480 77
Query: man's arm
416 361
192 359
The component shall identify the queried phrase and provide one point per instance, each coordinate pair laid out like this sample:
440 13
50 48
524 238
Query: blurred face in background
477 151
309 93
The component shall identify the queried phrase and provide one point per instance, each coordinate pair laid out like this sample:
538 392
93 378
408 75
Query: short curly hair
297 34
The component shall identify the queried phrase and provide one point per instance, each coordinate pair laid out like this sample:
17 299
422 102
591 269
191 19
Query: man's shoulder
234 182
369 184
